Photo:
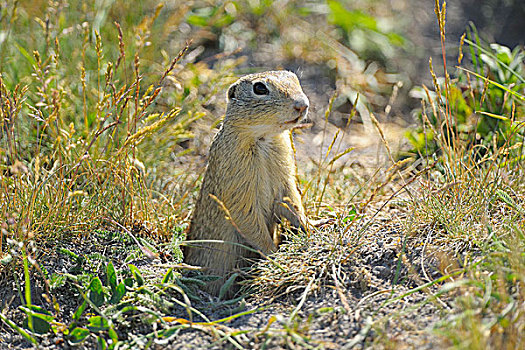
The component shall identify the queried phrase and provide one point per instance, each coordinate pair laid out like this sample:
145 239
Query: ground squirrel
251 171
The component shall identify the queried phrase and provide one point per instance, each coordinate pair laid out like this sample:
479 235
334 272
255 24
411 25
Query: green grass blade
491 55
504 88
20 330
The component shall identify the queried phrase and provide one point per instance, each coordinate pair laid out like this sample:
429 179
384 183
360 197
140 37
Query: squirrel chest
255 174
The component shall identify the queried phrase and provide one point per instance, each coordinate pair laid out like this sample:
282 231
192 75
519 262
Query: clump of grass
474 200
85 130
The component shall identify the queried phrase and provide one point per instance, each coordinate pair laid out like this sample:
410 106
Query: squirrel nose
300 105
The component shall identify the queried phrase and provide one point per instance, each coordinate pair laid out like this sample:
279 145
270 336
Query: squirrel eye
260 89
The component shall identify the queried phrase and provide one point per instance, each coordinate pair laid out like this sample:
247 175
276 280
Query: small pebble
379 270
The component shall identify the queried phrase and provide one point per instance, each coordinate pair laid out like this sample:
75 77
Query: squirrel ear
231 91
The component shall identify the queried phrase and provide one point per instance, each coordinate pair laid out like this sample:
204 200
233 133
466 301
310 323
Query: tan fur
251 171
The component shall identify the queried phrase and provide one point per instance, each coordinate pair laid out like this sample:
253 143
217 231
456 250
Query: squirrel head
267 103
